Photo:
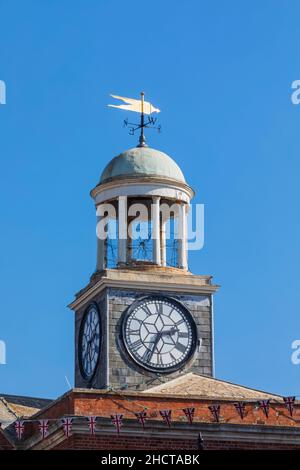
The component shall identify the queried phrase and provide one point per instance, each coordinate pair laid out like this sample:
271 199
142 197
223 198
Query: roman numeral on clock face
183 334
160 359
146 309
180 347
159 308
137 344
147 355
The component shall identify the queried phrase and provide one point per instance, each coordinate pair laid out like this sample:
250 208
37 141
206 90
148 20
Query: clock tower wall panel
100 378
122 370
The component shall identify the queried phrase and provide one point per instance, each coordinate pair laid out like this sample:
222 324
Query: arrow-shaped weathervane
138 106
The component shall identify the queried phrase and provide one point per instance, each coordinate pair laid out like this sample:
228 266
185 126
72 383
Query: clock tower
143 318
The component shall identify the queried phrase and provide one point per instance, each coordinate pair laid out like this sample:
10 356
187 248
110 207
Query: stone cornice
131 181
147 281
144 395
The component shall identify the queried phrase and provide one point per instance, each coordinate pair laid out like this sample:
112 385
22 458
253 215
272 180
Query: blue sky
221 72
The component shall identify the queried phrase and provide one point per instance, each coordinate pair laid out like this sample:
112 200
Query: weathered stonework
116 369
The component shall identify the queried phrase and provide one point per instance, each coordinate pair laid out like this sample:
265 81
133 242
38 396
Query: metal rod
142 140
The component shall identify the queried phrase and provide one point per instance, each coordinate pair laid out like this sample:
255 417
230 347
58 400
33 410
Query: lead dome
141 162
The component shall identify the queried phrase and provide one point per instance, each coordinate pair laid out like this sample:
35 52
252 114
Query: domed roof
142 161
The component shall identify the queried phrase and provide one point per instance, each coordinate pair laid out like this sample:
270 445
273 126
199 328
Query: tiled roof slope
13 407
207 387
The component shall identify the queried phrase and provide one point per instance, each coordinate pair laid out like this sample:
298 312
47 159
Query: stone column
156 229
163 247
122 220
101 247
182 235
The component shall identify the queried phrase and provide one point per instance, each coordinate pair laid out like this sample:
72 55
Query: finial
142 139
140 106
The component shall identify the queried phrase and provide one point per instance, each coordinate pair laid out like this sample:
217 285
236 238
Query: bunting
189 413
117 421
265 406
67 426
92 424
19 428
215 411
141 417
289 403
240 408
166 416
43 427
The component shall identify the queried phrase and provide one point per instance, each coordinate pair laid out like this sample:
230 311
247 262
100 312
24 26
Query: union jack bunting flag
166 416
189 413
141 416
117 421
43 427
265 406
215 411
67 425
240 408
289 403
92 424
19 427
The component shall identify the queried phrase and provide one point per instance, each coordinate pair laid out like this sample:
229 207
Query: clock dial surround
89 341
159 334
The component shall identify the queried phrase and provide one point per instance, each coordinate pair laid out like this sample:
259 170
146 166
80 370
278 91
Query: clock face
159 334
89 342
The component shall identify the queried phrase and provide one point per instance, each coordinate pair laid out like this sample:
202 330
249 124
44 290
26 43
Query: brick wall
103 404
129 404
125 443
86 442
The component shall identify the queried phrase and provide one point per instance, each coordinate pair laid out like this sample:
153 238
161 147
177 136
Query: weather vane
138 106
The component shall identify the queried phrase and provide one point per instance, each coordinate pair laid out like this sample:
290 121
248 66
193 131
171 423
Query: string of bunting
142 417
92 424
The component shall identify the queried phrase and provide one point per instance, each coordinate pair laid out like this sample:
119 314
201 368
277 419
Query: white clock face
159 334
89 342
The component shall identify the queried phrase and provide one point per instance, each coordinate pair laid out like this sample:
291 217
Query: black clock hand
88 348
172 331
85 357
89 345
149 352
92 338
87 351
158 336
